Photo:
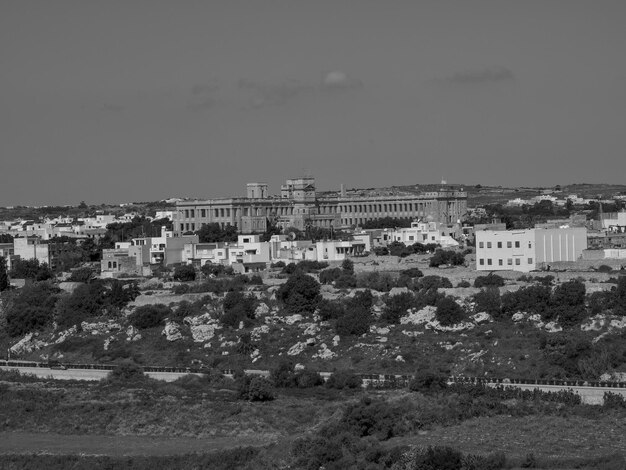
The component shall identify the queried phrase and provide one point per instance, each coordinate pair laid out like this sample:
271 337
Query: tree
212 233
300 294
488 300
81 275
348 266
4 277
31 269
149 316
184 273
449 312
33 308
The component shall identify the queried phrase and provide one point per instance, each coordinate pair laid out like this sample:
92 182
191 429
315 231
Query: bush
356 321
237 308
127 373
442 257
185 273
256 389
381 282
396 306
380 250
329 310
328 276
278 264
300 294
434 282
348 266
490 280
449 312
81 275
464 283
32 309
149 316
488 300
345 281
438 458
604 268
344 379
412 273
210 269
428 381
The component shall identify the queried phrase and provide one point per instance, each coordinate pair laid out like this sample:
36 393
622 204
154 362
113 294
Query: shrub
449 312
328 276
428 381
81 275
604 268
464 283
329 310
32 309
412 273
149 316
438 458
278 264
356 321
434 282
256 389
344 379
446 257
300 294
127 373
397 305
346 281
185 273
488 300
348 266
237 308
533 299
210 269
380 250
490 280
381 282
307 378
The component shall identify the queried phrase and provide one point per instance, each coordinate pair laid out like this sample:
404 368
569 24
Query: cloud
486 75
338 80
203 95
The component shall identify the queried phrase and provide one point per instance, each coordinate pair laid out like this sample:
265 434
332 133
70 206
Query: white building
422 232
528 250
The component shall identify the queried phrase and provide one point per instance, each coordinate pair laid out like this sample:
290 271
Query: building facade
528 250
300 206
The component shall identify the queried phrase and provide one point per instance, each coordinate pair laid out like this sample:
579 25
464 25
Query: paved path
85 374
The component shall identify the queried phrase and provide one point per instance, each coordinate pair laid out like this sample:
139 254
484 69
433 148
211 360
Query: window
481 244
182 227
481 261
517 262
516 244
193 213
489 261
202 212
530 261
509 261
193 227
217 212
530 244
488 244
499 244
186 213
509 244
500 262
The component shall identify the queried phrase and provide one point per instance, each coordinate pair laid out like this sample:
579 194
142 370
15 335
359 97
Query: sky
130 100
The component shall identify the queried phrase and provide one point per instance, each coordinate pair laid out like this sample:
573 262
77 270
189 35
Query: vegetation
300 294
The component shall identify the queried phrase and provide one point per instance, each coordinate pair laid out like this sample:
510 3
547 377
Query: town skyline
128 103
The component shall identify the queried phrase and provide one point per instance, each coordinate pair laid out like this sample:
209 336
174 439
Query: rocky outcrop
481 317
65 334
419 317
324 353
296 349
132 334
291 319
27 344
100 328
256 333
203 333
261 310
172 331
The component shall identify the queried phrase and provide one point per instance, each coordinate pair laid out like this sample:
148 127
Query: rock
552 327
298 367
517 317
241 325
290 320
172 331
132 334
381 339
27 344
100 328
399 358
461 326
618 324
448 346
256 333
203 333
420 317
595 323
379 331
398 291
296 349
481 317
412 334
203 319
535 318
256 355
65 334
262 309
311 329
336 340
310 342
475 356
107 342
613 377
324 353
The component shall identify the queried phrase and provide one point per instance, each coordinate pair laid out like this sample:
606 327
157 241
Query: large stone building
300 206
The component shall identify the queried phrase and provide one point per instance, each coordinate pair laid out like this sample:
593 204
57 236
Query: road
85 374
589 395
